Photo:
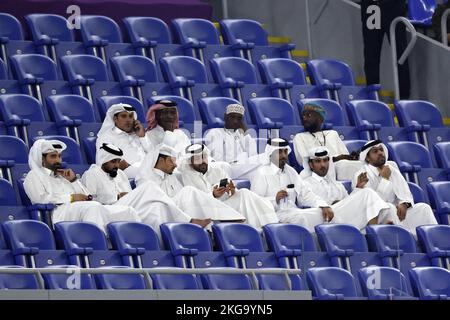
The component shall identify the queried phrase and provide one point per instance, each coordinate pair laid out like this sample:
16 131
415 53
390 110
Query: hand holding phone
223 183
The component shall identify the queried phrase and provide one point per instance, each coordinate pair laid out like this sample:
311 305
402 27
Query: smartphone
135 126
223 183
290 186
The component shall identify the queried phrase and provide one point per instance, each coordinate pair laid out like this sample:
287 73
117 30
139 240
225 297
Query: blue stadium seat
431 283
226 282
442 155
414 161
187 78
335 80
418 193
421 12
138 78
346 247
85 244
24 117
74 116
87 76
175 282
89 149
287 79
439 194
374 120
12 150
120 281
335 119
354 145
52 37
389 284
104 103
18 281
434 241
3 70
423 121
191 246
32 244
330 283
11 38
72 155
38 76
275 114
7 194
250 40
138 244
396 247
101 37
151 38
238 79
58 281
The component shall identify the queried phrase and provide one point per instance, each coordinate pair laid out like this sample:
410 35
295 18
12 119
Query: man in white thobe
234 145
122 128
159 167
109 185
360 208
392 187
196 170
47 182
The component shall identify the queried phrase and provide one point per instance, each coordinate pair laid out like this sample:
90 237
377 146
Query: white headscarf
276 144
108 123
107 152
193 149
368 146
315 153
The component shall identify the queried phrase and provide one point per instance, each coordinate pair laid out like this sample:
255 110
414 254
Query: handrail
407 51
444 35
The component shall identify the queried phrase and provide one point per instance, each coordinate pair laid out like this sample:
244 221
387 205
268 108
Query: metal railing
407 51
444 36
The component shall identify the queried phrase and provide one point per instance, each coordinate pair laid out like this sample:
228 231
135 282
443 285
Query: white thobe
395 191
257 211
152 205
192 201
58 190
237 149
134 148
156 135
356 209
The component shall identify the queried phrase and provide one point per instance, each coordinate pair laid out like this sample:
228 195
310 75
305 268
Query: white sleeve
259 186
215 143
340 145
37 193
93 184
299 149
305 196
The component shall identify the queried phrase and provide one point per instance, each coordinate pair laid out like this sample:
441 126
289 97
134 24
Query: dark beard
55 166
112 173
312 128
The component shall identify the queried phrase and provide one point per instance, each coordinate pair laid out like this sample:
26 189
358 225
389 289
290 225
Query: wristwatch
407 204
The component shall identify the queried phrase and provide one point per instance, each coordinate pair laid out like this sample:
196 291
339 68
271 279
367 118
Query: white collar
318 178
119 131
161 174
275 169
48 172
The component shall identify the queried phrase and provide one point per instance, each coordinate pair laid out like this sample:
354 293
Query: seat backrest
52 26
227 282
70 106
7 193
126 235
354 145
120 281
281 236
178 236
237 236
104 103
213 110
370 111
61 281
439 193
13 148
442 153
183 68
266 110
389 281
418 111
33 65
27 234
20 106
412 152
83 66
185 108
331 280
192 30
72 155
3 72
18 281
70 235
430 282
281 70
89 148
340 237
417 192
126 68
99 27
334 71
421 9
10 27
434 237
334 113
383 238
148 29
175 282
243 30
233 68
